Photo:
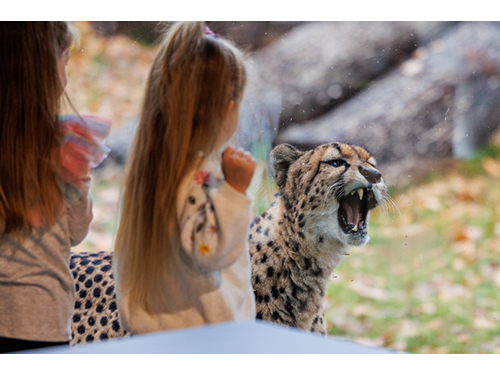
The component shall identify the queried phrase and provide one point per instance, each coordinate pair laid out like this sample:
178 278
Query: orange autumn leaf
460 234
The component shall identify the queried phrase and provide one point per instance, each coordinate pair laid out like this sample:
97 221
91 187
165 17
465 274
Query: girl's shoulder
204 176
207 174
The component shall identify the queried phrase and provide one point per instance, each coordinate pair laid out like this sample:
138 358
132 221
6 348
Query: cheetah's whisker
330 189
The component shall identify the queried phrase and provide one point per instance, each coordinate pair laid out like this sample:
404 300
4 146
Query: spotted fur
95 317
294 245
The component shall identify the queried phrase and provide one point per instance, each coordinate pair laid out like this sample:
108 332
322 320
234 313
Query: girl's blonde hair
30 92
193 78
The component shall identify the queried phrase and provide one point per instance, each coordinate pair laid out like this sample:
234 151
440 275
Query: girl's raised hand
238 167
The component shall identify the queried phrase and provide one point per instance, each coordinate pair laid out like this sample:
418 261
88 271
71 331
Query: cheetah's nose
371 175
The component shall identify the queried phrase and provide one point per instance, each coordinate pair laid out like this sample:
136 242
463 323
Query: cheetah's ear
282 157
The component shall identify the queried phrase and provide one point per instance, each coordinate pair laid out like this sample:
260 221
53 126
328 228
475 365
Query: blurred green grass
428 280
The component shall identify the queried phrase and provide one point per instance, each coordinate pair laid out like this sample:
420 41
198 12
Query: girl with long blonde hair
181 255
45 165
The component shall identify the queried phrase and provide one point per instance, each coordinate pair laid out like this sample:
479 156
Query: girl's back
36 286
181 255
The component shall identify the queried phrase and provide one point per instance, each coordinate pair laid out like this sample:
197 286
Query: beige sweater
209 278
37 293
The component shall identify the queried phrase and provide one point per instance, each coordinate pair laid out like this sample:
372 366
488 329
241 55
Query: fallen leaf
424 290
363 310
491 166
435 323
466 249
484 324
400 346
407 328
464 338
448 291
458 264
367 291
441 350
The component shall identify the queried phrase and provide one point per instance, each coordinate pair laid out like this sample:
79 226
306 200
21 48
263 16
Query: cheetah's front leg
318 324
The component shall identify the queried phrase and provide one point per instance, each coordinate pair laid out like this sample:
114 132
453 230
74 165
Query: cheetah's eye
336 162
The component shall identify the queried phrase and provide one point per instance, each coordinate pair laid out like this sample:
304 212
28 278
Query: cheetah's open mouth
354 209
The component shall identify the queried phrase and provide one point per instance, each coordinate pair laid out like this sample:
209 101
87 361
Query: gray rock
147 32
251 35
408 117
320 65
478 113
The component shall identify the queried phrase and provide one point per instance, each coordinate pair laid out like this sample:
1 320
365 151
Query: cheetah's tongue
352 210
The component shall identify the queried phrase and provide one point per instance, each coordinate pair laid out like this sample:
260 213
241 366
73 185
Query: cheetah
321 209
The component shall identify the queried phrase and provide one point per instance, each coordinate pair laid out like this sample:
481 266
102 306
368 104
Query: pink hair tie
210 32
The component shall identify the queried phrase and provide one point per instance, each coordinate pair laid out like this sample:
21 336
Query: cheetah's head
329 191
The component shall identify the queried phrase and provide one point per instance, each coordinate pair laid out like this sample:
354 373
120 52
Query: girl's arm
83 149
80 215
214 226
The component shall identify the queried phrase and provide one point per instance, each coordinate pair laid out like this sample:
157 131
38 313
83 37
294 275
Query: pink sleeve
83 147
82 150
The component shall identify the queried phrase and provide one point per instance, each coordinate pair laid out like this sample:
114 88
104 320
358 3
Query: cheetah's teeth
360 193
355 229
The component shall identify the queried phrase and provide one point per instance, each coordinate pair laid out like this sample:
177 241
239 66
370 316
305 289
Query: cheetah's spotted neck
298 275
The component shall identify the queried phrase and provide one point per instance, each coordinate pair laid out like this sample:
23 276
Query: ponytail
192 80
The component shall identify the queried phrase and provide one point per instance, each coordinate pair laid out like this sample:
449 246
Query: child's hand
238 167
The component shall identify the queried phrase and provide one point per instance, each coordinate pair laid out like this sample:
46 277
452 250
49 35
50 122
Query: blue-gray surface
247 337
